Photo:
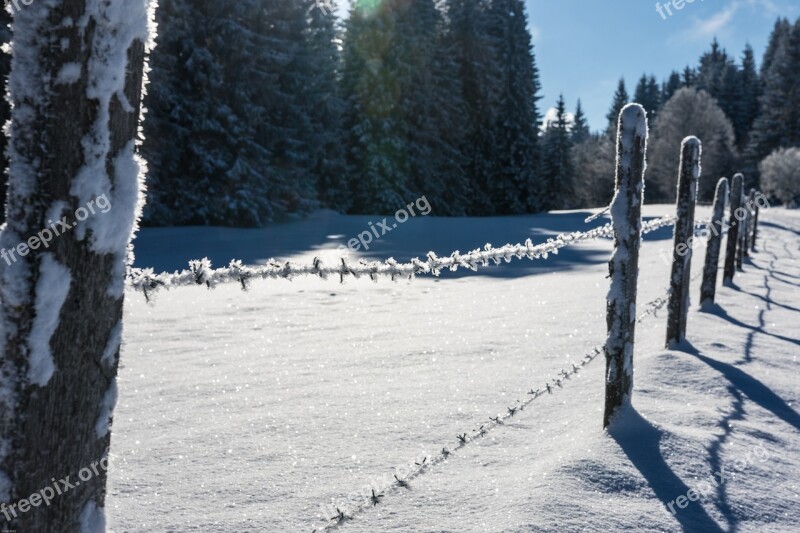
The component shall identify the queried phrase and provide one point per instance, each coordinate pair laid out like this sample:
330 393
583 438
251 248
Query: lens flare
368 7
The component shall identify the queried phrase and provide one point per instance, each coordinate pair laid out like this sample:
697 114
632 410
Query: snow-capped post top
626 219
633 122
691 145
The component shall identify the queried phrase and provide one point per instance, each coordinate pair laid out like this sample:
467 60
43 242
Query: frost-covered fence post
683 240
754 231
747 222
708 289
626 218
751 211
75 89
741 222
733 229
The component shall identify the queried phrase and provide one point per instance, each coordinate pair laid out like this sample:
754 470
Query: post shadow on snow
720 312
755 391
715 455
171 248
780 275
640 441
770 224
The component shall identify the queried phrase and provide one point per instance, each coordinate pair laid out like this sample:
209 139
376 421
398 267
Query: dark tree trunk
57 425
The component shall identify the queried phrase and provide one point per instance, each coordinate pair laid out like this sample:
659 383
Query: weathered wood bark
751 210
5 69
733 229
754 234
683 240
626 216
741 222
747 225
56 425
708 289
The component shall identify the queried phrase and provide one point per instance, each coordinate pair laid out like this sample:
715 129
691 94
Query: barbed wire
200 271
418 469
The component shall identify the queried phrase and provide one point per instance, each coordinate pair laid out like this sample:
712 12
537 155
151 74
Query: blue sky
583 47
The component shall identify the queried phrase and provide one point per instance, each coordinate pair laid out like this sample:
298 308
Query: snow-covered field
250 411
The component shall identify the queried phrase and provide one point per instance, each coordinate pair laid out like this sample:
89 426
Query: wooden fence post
626 218
733 230
683 240
754 233
747 203
741 222
751 210
708 289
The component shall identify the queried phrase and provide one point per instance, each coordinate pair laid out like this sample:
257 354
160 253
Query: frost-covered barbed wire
342 514
200 271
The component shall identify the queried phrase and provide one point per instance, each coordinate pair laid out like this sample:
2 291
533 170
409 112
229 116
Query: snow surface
251 411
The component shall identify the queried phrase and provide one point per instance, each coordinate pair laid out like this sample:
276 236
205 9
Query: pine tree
719 76
620 100
512 186
200 135
280 57
430 109
777 39
712 68
228 133
671 86
404 112
479 74
748 106
648 94
580 125
324 105
689 77
557 188
778 122
654 92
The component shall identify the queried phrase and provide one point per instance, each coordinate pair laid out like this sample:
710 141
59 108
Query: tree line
262 110
258 110
741 112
